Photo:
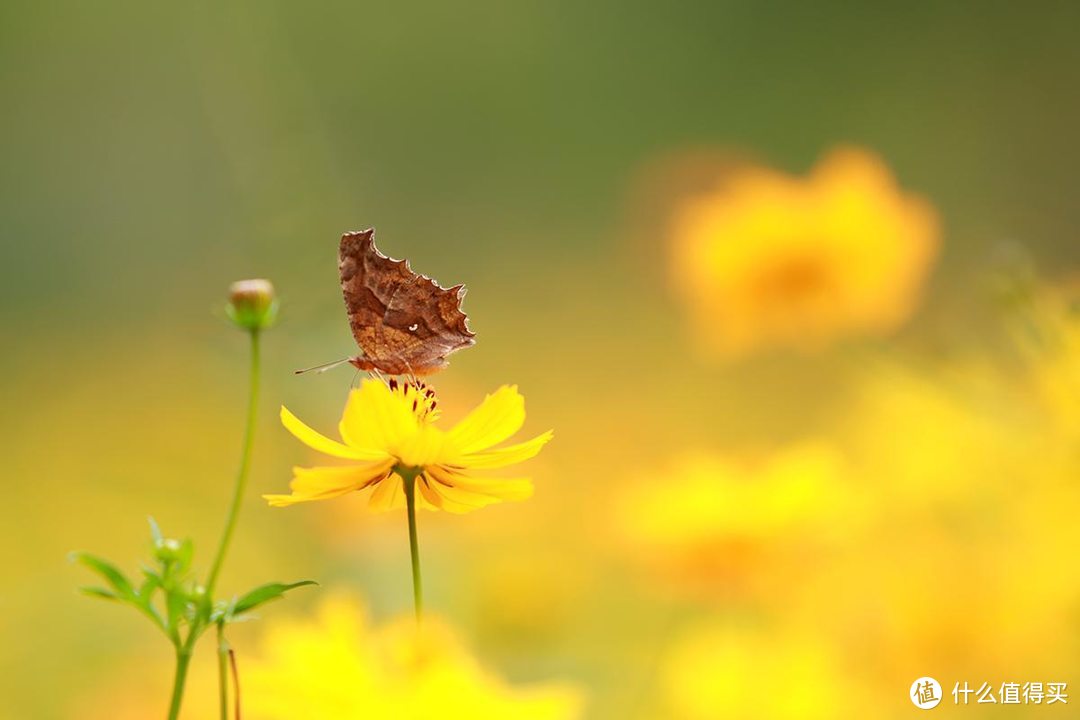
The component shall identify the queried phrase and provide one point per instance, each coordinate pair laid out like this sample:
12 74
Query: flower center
793 282
420 396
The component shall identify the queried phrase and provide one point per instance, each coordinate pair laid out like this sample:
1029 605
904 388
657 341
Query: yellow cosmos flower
767 259
339 666
388 430
721 670
1048 336
714 525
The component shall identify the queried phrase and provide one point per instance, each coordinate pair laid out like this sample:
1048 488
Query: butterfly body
404 323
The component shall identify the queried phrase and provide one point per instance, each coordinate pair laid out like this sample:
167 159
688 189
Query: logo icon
925 693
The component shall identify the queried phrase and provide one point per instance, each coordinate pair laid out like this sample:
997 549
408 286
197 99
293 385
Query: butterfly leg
412 375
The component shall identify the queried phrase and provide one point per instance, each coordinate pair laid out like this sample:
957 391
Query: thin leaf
151 612
176 606
146 590
264 594
101 593
109 572
184 555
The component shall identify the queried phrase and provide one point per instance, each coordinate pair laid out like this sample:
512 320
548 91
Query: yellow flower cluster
726 670
337 665
886 551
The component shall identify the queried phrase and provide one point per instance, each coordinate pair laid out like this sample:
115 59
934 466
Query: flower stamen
421 396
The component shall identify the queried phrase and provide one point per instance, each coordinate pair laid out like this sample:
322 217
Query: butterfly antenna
322 368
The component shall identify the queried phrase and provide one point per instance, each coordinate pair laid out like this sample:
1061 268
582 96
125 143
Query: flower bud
252 304
167 549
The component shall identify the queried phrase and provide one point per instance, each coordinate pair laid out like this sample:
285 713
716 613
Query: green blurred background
153 153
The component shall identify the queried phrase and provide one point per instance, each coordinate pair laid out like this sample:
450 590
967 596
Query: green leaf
146 590
101 593
151 612
184 555
264 594
175 604
109 572
123 591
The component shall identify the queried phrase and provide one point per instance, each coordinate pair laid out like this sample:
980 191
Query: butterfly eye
412 328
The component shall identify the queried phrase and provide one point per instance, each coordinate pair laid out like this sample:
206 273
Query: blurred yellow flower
923 437
1048 335
767 259
724 671
388 429
709 522
337 666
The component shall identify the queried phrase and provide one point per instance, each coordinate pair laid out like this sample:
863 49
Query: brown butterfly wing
403 322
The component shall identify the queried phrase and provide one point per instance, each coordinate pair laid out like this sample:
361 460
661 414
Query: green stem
409 480
245 466
223 672
184 652
183 659
235 683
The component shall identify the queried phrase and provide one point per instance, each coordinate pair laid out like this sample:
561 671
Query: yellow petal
390 495
424 447
499 416
505 456
323 444
508 489
387 495
501 488
321 483
426 490
449 498
377 418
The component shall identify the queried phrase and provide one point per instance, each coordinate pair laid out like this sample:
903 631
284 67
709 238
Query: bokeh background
872 506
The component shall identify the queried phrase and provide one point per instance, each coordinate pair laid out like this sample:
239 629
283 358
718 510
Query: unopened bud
252 304
167 549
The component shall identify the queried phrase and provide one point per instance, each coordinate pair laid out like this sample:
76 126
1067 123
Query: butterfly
404 323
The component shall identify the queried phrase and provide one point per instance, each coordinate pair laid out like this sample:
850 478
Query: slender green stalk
184 652
409 479
245 467
235 683
183 659
223 672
